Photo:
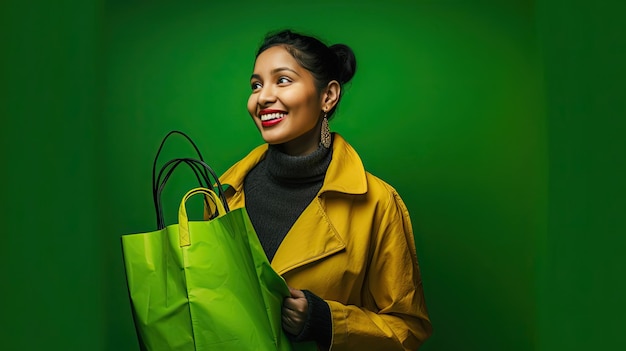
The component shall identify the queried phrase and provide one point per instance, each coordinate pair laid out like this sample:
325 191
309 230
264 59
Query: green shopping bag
204 285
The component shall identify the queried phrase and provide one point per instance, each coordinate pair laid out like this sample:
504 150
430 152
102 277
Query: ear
330 96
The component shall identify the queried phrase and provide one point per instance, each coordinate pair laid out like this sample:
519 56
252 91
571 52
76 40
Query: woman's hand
294 312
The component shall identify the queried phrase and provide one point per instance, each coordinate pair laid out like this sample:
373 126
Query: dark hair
325 63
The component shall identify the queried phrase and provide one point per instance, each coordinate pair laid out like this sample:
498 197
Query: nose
267 96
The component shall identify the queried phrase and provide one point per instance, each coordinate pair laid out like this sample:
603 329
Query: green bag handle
183 221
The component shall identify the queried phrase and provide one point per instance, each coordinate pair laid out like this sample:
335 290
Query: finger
295 313
295 293
294 305
300 305
292 323
289 312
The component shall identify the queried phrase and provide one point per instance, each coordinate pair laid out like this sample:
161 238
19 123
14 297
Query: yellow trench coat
353 246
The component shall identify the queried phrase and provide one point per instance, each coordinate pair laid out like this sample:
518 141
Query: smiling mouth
272 116
271 119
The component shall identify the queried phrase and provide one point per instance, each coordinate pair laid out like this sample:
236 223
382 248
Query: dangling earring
325 137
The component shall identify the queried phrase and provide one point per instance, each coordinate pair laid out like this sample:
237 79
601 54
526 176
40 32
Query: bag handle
156 158
199 167
195 165
183 221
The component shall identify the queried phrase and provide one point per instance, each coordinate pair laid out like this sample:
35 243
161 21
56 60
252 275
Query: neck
304 144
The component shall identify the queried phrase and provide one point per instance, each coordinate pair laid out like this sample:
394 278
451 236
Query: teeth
271 116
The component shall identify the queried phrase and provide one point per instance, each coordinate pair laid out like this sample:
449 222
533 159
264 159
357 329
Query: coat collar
345 173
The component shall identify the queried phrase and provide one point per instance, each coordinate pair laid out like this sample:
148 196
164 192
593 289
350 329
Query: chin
273 136
274 141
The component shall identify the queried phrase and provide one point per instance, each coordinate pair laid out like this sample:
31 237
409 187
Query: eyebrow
274 71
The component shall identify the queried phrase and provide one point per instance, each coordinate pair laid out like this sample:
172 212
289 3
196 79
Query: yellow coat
353 246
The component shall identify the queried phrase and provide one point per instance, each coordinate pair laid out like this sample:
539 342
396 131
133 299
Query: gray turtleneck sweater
278 189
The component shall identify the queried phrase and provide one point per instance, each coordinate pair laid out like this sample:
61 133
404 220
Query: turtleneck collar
288 169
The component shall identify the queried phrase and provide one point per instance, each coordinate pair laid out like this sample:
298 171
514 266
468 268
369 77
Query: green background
501 124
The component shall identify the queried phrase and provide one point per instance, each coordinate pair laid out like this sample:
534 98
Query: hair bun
347 61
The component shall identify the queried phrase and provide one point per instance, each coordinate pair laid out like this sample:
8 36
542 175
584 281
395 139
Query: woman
340 237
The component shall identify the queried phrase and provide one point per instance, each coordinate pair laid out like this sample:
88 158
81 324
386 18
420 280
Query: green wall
499 122
53 292
581 275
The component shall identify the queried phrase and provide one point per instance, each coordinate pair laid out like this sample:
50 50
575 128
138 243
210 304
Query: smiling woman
339 236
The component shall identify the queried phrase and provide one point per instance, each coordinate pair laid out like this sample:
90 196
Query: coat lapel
311 238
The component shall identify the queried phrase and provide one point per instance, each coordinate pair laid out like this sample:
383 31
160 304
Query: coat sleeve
399 320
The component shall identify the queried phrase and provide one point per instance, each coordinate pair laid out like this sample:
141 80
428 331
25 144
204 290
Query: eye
284 80
255 85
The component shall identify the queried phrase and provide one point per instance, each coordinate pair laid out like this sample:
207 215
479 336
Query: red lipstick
267 111
269 121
